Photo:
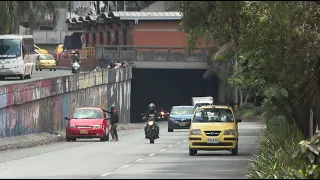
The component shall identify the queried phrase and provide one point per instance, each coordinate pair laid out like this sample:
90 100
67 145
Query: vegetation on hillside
276 45
276 48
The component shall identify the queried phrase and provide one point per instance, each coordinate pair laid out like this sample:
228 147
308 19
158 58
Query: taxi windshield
208 115
87 114
46 57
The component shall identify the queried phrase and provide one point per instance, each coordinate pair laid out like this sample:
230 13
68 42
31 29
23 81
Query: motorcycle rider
151 110
76 57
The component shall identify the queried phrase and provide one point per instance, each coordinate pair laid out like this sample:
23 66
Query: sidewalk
32 140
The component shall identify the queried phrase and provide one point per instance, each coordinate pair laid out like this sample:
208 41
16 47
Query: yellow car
213 128
42 51
45 61
59 48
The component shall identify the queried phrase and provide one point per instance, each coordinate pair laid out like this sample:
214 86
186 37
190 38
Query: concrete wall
50 37
41 105
159 33
160 6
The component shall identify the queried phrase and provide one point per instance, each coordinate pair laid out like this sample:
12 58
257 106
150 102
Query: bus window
10 48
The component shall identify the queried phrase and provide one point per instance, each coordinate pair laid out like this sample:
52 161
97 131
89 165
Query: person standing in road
114 120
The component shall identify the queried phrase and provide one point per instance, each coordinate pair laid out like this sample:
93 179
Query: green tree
280 45
12 11
214 21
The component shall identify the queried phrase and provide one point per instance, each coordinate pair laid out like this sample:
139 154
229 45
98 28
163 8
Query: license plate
212 140
182 124
83 132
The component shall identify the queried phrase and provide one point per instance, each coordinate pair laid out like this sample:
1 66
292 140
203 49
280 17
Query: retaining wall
39 106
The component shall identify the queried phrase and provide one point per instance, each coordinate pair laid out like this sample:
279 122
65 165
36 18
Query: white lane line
106 174
178 142
171 146
162 150
125 166
151 154
139 160
185 140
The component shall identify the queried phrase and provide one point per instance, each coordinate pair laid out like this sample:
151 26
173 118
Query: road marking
125 165
150 155
185 140
106 174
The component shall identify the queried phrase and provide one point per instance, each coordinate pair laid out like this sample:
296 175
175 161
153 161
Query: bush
249 112
273 159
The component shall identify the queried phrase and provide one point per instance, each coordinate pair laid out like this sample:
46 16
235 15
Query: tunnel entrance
167 88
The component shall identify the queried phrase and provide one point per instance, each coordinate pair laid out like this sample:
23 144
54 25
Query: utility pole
116 5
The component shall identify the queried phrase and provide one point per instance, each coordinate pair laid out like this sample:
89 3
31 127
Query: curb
47 139
28 141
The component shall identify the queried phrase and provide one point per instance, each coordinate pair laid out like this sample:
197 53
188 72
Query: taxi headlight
195 132
229 132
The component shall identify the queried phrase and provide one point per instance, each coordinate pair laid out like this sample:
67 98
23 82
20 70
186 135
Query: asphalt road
36 75
132 157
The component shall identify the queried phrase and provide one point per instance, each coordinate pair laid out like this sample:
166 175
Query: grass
273 158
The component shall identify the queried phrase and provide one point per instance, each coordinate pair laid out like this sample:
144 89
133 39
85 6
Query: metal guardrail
149 53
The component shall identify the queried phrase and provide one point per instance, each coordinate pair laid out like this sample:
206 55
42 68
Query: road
37 75
131 157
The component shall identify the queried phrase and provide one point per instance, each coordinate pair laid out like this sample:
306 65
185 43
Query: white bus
17 56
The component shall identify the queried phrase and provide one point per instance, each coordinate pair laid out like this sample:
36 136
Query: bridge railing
149 53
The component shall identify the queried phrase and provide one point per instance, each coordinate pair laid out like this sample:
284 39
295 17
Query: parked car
87 122
46 61
213 128
180 117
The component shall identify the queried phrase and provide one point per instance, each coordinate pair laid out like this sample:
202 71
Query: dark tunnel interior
167 88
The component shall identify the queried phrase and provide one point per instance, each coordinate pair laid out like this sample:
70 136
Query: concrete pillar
91 39
222 92
122 27
114 28
130 30
99 29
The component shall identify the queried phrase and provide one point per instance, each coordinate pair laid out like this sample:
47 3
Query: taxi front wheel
192 152
234 151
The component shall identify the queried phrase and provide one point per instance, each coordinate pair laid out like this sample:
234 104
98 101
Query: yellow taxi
41 51
213 128
45 61
59 48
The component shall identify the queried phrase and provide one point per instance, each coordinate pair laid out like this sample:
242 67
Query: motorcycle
151 128
75 67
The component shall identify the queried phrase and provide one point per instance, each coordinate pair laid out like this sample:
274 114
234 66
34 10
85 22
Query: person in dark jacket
151 110
114 120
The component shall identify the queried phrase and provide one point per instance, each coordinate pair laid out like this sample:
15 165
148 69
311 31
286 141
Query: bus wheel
22 77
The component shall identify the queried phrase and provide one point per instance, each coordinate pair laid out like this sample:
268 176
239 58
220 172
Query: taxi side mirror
238 120
67 118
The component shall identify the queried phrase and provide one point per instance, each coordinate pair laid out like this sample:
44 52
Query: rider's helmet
152 106
112 108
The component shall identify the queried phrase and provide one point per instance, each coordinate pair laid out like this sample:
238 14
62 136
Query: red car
87 122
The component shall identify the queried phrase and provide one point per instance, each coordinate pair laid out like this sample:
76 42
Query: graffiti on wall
41 106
